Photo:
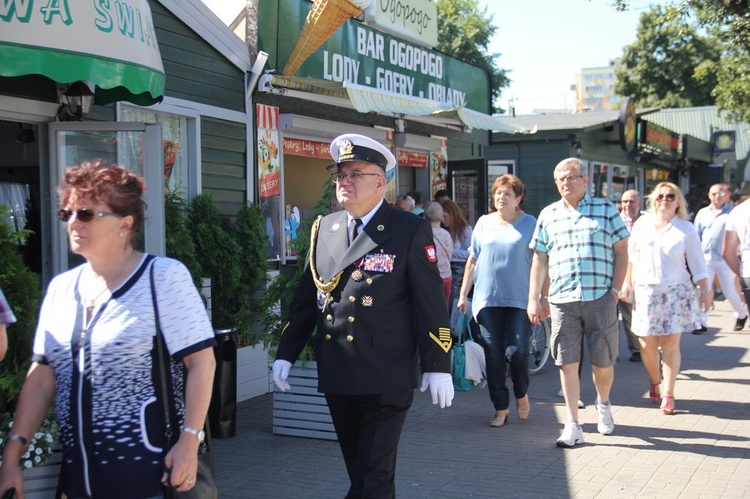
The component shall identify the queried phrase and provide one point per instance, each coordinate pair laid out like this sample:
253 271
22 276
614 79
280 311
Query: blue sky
544 43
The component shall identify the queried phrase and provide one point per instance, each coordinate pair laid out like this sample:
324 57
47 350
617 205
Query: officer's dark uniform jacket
386 316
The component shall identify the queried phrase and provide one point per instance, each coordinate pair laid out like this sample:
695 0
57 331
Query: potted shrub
252 359
179 243
21 287
218 255
249 234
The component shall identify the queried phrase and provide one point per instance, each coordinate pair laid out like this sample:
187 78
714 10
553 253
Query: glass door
468 187
135 146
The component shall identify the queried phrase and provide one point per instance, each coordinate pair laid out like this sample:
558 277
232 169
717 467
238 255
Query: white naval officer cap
355 147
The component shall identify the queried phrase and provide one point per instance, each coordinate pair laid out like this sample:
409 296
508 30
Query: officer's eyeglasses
351 177
83 215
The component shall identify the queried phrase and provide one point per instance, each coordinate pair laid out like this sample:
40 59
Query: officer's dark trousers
369 428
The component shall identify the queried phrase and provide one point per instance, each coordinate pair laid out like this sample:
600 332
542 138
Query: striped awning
371 100
114 48
481 121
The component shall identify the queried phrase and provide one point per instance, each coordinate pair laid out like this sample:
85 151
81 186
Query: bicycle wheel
539 346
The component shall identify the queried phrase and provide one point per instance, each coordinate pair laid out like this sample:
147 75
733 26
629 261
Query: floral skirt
661 309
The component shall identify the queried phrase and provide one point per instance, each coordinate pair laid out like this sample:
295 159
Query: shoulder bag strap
159 340
162 368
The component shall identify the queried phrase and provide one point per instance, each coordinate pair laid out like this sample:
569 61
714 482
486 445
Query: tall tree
670 64
464 33
729 21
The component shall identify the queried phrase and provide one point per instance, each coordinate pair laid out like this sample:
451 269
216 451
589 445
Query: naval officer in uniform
371 286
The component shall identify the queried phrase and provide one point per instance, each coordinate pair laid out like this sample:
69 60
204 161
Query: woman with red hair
95 352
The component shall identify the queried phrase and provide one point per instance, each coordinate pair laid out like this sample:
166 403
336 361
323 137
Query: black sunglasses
83 215
670 197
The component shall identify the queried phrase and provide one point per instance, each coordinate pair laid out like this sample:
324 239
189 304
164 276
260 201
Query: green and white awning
371 100
114 47
483 121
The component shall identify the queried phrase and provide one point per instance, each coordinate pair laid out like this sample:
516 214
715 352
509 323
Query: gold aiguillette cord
331 285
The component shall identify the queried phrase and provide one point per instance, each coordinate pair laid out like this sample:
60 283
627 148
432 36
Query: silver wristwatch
200 435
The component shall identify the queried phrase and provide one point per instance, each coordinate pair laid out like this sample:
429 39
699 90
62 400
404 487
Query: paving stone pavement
700 452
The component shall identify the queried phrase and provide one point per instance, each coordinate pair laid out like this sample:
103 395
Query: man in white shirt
710 223
736 249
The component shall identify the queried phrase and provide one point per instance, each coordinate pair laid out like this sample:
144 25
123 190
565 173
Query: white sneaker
606 424
572 435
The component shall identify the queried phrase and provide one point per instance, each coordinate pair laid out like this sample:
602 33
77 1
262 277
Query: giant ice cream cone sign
324 18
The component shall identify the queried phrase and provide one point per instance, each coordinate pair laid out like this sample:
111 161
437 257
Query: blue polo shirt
710 226
580 247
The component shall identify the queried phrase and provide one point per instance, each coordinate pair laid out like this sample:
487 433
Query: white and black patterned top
111 423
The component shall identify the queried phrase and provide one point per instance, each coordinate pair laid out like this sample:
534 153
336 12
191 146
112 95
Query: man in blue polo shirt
582 242
710 223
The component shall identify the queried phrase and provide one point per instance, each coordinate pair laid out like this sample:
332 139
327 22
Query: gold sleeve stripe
444 341
285 326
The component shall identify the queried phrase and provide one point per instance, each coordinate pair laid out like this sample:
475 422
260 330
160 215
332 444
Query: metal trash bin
222 413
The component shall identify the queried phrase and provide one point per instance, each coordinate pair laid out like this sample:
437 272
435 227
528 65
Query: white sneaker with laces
572 435
606 424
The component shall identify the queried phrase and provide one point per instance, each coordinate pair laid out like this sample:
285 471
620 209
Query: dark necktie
354 225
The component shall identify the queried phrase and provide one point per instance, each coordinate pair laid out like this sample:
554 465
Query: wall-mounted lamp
577 148
256 71
25 136
75 99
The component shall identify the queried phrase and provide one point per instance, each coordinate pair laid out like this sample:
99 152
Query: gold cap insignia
346 149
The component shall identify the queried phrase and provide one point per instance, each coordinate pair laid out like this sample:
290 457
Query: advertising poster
269 177
439 168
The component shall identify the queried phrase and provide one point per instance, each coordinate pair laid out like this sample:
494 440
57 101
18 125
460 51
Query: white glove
441 387
281 373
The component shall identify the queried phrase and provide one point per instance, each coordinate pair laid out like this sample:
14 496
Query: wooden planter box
40 482
302 411
252 372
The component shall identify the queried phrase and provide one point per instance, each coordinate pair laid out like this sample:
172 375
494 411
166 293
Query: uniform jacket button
350 338
329 317
328 336
352 299
369 280
351 319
